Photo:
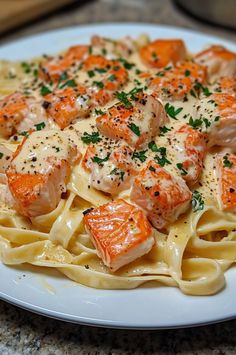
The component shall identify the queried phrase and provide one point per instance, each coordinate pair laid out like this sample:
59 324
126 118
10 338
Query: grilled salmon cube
177 82
163 52
20 113
66 105
120 232
220 112
218 60
190 149
226 173
39 171
53 68
162 196
111 165
226 85
137 122
108 76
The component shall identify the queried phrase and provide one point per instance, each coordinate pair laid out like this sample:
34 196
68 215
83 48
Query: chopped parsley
1 155
24 133
181 169
99 161
195 123
99 84
91 138
26 67
226 162
197 201
99 112
118 173
217 118
187 72
135 129
63 76
140 155
198 86
101 70
161 157
126 64
138 71
69 83
206 122
123 97
112 77
91 73
151 168
164 130
171 111
45 90
39 126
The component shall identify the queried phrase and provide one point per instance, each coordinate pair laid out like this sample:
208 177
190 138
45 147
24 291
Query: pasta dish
118 165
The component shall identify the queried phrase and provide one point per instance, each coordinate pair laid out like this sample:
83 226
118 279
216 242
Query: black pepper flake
87 211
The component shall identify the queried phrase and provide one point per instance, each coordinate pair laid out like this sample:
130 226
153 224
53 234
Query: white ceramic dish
55 296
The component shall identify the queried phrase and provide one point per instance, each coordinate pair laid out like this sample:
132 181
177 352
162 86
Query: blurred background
20 18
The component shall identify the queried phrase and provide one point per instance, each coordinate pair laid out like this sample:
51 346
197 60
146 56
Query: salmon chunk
39 170
163 52
111 165
218 60
190 149
123 47
20 113
175 83
108 76
226 173
67 104
164 197
120 232
53 68
226 85
135 121
218 111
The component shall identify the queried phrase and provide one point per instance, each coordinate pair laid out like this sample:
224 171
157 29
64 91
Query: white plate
55 296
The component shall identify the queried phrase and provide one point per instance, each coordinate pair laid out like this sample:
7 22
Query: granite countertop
22 332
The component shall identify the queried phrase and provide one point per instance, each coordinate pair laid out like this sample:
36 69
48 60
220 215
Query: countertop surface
22 332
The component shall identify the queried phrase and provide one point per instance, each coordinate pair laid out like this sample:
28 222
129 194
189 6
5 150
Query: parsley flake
126 64
69 83
181 169
99 161
164 130
1 155
91 138
135 129
171 111
99 112
197 201
140 155
226 162
99 84
39 126
45 90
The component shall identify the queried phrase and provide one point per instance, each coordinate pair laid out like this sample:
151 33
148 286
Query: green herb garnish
99 112
227 163
171 111
197 201
181 169
164 130
39 126
91 138
45 90
140 155
135 129
99 84
69 83
99 161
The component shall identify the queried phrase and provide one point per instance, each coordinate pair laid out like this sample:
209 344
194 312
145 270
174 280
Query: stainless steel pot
221 12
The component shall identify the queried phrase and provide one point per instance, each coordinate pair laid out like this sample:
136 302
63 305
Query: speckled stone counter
22 332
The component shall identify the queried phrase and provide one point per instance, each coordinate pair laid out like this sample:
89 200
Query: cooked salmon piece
20 113
120 232
218 60
226 173
54 67
226 85
110 48
190 149
5 158
162 196
162 52
176 82
219 110
111 165
108 76
67 104
39 170
136 121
